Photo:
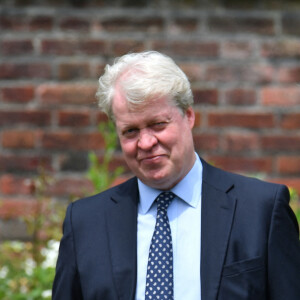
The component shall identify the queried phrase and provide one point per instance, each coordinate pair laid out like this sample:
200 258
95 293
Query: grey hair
144 76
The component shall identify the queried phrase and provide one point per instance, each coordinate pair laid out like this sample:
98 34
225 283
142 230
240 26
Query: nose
146 140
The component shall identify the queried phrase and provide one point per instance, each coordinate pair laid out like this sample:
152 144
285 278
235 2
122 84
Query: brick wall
243 65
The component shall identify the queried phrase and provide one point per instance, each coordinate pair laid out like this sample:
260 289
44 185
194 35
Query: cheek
128 148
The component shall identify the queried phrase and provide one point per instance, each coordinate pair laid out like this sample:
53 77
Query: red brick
240 97
15 207
28 117
223 73
289 165
205 141
261 73
245 165
280 143
291 182
18 139
41 23
150 24
101 117
70 186
74 118
17 47
280 49
93 47
74 46
280 96
24 163
72 161
241 119
14 185
240 73
99 70
75 23
25 70
184 24
122 47
198 119
186 48
240 24
194 71
290 121
206 96
116 162
13 22
17 94
240 142
68 71
63 140
57 94
59 46
121 179
236 50
289 74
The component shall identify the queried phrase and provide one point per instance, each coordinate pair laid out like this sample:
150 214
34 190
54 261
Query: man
212 235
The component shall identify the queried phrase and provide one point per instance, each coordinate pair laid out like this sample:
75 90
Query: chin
159 182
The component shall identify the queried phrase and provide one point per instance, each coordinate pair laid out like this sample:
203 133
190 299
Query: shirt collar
188 189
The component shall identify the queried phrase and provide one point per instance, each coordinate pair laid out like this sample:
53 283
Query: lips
151 159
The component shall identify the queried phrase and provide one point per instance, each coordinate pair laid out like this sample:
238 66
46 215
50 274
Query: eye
130 132
159 125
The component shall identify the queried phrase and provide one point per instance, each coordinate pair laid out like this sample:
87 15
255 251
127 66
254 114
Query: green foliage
295 203
99 171
27 269
21 278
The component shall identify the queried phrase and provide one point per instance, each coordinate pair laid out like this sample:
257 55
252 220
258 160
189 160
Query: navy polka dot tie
159 282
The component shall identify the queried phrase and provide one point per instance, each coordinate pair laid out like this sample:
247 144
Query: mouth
151 159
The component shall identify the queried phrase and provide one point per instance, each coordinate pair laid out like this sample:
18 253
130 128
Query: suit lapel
217 216
121 220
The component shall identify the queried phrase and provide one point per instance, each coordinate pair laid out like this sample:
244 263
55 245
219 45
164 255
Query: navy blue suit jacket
250 245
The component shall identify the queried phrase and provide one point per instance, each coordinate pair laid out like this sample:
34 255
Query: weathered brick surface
241 119
240 97
62 94
246 165
243 66
74 118
13 71
16 47
71 140
288 164
241 24
18 139
17 94
30 117
291 121
281 96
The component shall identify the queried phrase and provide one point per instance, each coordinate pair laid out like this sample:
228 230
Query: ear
190 115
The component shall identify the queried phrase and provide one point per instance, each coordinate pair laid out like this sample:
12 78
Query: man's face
156 140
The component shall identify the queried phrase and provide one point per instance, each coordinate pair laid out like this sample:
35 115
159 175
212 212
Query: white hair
144 76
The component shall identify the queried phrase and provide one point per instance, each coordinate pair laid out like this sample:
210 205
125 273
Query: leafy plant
27 269
295 203
99 171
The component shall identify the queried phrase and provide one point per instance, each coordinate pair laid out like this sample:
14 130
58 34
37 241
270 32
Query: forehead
147 110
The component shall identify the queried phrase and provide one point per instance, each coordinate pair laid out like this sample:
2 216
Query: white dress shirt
185 220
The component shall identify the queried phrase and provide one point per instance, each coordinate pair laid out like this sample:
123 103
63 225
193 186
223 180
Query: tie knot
164 199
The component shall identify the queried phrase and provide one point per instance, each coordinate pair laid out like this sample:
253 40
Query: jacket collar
218 208
121 221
